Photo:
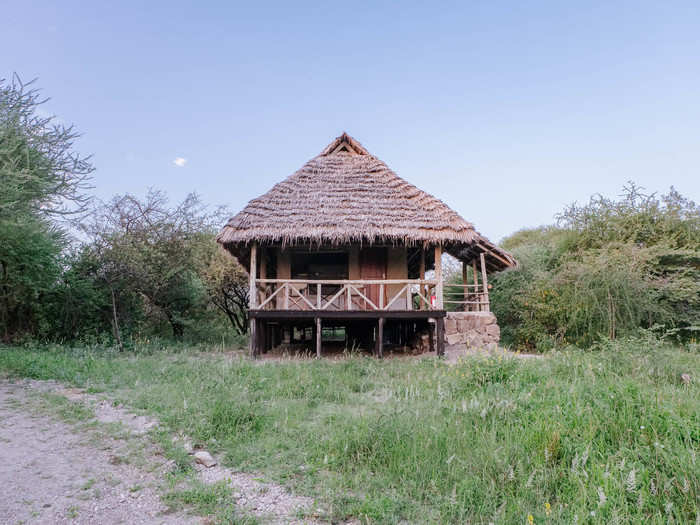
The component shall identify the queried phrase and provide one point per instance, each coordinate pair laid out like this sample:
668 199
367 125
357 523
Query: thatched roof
346 195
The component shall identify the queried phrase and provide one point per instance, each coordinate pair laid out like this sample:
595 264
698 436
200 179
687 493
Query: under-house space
345 256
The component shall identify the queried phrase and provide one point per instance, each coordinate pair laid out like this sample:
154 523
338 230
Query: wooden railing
466 297
336 295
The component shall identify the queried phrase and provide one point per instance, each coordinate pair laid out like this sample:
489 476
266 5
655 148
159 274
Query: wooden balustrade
466 297
334 295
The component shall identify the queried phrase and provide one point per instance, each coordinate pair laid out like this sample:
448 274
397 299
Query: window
320 265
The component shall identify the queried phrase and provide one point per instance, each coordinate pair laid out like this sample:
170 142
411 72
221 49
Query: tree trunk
176 325
115 322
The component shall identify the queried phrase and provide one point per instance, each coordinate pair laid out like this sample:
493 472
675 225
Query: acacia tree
154 250
227 287
42 180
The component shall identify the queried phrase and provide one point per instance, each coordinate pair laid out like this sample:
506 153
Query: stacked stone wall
474 329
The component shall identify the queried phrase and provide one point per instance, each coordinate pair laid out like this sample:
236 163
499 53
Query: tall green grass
596 437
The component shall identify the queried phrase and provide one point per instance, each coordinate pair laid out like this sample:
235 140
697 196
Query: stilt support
379 343
431 340
318 337
440 325
253 337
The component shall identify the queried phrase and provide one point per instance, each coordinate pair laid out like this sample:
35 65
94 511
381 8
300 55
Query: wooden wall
354 263
396 268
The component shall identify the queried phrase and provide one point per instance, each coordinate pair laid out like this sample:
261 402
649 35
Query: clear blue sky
505 111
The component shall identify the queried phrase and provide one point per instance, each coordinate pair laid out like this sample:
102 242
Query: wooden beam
431 340
465 283
318 337
252 337
440 336
252 275
263 262
485 280
279 315
379 343
262 337
355 282
491 252
421 276
438 276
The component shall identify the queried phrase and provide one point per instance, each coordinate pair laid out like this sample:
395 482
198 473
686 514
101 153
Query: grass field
605 436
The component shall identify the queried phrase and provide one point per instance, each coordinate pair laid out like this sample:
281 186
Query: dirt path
51 472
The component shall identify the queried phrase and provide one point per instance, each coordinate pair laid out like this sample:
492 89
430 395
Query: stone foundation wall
474 329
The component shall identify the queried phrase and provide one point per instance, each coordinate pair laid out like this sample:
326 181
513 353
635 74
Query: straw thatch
344 196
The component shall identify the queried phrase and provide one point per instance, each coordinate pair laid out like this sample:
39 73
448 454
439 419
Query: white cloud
180 162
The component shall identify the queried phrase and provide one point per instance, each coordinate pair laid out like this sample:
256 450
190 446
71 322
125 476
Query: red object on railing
433 301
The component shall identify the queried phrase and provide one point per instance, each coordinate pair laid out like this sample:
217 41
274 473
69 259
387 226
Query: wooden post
252 275
318 337
438 276
409 306
440 325
262 337
286 296
421 269
253 337
263 275
475 274
485 282
431 331
252 296
263 263
381 296
379 343
466 285
318 296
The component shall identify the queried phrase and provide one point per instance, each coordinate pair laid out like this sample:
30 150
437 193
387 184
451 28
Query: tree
149 248
43 180
609 268
40 173
227 287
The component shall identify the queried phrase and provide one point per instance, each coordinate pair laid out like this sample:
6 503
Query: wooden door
372 266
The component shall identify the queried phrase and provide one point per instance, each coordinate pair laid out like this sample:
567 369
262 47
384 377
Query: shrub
608 269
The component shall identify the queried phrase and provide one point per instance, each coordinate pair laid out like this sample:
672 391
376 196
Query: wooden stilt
421 274
475 276
252 296
252 335
380 338
438 276
431 340
318 337
485 282
252 276
440 322
465 283
262 337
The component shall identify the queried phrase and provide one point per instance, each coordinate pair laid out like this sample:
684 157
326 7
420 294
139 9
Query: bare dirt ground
51 473
55 472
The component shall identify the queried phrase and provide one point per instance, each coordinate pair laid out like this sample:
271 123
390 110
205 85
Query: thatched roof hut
346 195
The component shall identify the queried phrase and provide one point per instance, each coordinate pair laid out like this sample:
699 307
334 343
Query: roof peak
344 143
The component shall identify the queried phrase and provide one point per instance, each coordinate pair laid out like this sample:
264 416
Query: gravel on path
51 472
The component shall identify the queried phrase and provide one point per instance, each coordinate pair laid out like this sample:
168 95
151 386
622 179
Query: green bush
608 269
